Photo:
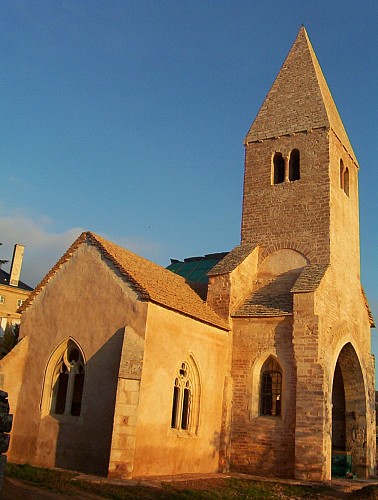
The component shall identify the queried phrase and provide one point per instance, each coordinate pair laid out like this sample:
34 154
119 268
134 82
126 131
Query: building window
278 168
271 388
2 299
294 167
346 181
344 178
68 382
19 302
185 403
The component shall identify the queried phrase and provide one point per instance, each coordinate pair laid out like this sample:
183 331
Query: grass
68 483
65 483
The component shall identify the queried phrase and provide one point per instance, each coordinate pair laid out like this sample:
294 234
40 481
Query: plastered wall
88 302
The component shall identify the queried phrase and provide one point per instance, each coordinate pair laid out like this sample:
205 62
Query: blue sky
127 118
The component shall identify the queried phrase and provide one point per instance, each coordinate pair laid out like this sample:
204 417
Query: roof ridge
232 259
99 241
333 114
64 258
172 300
96 239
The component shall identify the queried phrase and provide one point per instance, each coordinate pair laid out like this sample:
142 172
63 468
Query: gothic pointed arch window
186 397
294 166
64 384
271 388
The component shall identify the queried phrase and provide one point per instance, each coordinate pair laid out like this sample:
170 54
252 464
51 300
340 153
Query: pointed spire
299 99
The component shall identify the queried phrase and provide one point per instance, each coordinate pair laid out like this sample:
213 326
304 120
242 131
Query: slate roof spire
299 99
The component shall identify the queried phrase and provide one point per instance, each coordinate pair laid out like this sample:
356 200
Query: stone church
257 360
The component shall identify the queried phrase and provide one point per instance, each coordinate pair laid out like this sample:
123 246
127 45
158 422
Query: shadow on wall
272 295
84 441
215 444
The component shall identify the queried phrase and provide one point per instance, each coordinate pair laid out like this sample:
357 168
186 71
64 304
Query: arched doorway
349 411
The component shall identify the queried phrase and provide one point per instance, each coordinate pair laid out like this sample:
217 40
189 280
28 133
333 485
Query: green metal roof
195 269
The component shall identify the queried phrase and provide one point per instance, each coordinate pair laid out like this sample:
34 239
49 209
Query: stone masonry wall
311 407
262 445
330 325
121 462
344 222
298 212
344 328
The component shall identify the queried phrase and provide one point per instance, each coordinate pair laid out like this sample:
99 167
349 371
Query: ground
26 483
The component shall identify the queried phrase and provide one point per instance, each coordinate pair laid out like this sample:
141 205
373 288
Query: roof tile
150 280
300 80
270 297
232 259
310 278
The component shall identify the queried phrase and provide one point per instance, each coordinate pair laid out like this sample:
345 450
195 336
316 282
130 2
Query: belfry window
278 168
185 404
271 388
346 181
344 178
68 382
294 165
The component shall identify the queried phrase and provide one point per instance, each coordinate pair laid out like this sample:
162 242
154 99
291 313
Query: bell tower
305 305
300 181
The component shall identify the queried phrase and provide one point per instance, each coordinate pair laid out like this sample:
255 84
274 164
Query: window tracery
68 382
185 404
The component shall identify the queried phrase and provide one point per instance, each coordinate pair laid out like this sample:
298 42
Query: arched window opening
341 174
344 178
185 400
346 181
186 407
175 405
68 382
278 168
77 392
62 385
271 388
294 165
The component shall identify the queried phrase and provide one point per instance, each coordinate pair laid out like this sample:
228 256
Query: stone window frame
286 167
186 397
61 361
254 386
2 299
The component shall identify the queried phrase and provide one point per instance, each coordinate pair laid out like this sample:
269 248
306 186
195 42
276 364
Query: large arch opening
348 416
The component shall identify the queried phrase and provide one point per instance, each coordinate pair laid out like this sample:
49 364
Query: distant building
13 292
262 366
